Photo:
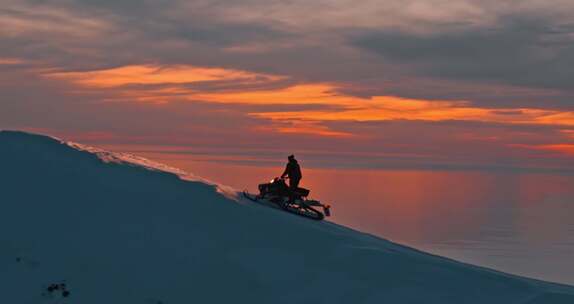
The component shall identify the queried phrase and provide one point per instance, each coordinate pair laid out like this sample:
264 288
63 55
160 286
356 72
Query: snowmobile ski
277 194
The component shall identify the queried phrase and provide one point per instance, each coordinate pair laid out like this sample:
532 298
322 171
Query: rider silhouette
293 171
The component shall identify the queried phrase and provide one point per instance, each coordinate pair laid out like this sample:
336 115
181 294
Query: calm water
517 223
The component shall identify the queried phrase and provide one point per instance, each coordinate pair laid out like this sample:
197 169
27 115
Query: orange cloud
341 107
10 61
562 148
306 127
295 95
383 108
380 108
557 117
151 74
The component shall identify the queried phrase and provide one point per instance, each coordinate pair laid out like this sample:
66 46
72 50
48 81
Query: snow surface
116 228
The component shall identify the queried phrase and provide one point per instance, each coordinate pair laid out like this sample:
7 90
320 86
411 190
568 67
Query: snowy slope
120 229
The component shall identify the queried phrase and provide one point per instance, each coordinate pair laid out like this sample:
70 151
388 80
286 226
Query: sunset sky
424 84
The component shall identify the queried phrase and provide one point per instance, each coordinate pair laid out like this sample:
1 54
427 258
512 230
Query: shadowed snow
116 228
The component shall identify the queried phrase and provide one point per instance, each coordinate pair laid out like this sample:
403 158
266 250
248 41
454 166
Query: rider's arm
286 172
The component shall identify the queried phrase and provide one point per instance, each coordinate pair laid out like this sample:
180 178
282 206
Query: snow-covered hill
114 228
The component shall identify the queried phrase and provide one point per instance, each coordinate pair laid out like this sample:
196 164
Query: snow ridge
134 160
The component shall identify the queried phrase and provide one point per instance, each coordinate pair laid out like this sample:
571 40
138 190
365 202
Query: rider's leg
293 185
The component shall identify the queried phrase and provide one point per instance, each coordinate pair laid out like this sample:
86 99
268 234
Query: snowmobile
276 193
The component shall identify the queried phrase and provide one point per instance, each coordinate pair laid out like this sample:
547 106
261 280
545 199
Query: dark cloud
171 19
522 51
481 94
222 34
